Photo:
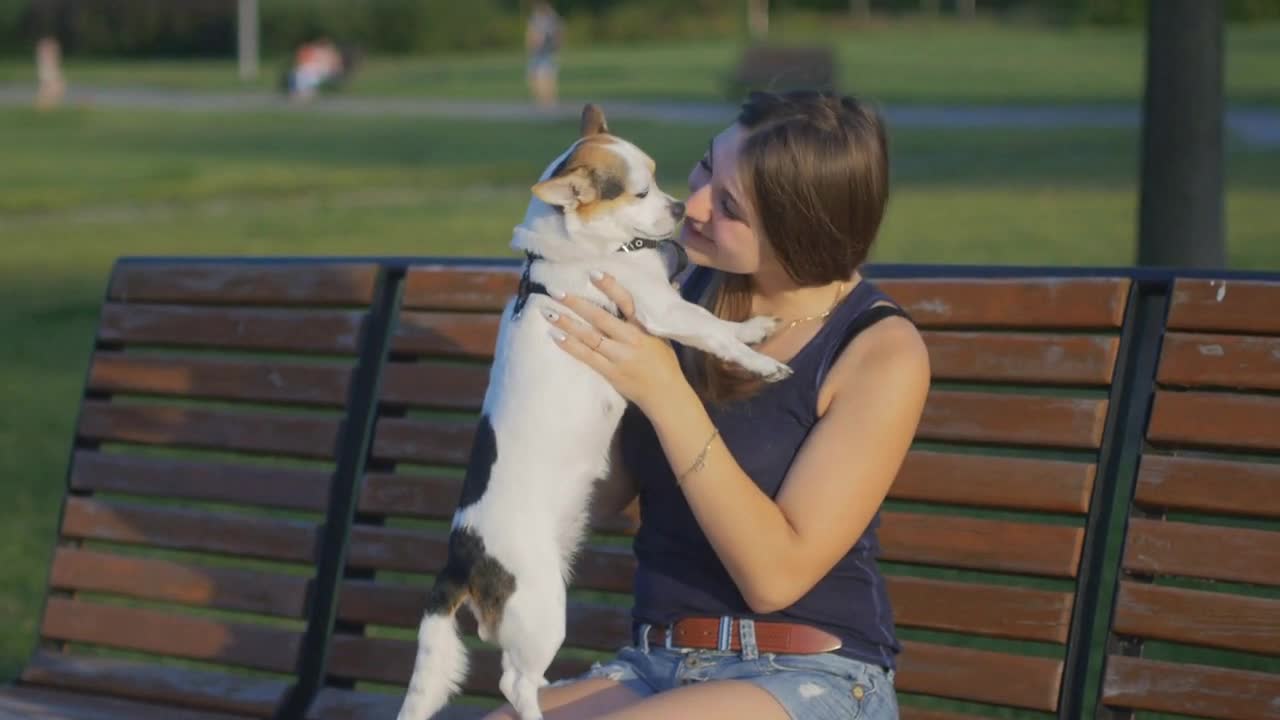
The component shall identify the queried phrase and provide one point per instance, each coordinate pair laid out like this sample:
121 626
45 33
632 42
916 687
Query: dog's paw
756 329
766 367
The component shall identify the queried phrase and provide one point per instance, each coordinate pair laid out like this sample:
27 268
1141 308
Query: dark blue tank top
678 572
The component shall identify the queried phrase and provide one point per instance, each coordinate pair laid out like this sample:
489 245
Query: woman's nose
698 205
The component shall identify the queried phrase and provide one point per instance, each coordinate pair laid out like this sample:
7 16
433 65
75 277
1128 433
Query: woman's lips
689 233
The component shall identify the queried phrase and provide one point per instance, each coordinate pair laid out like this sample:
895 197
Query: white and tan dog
547 419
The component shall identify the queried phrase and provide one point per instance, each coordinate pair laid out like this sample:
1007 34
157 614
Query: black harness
528 287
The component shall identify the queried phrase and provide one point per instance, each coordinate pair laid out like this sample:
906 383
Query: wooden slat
303 331
1197 617
389 660
989 481
253 646
948 416
279 487
301 436
1224 487
431 497
162 684
980 609
453 288
1026 358
595 626
598 567
984 481
912 712
338 704
1225 306
1047 303
1221 361
981 544
267 381
1215 420
223 588
435 497
435 385
1013 419
244 284
186 529
421 440
447 334
979 675
24 703
1202 551
1188 689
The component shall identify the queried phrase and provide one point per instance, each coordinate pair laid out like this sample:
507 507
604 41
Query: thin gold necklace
820 316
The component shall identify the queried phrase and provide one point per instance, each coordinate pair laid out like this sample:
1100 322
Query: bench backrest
986 536
202 469
1196 624
1009 451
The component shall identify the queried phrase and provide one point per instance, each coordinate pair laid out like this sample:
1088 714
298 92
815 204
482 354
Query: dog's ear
567 191
593 122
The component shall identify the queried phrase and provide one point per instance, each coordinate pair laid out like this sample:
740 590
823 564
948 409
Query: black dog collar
528 287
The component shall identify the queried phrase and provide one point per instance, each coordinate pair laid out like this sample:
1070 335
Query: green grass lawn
80 188
898 62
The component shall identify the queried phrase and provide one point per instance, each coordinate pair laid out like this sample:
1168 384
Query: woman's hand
640 366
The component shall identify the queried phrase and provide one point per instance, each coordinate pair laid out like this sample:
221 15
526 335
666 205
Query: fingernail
558 336
557 294
552 315
597 275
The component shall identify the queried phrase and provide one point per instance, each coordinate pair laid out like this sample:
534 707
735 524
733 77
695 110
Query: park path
1256 127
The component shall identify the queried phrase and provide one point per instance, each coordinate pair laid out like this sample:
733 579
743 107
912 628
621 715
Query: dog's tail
441 664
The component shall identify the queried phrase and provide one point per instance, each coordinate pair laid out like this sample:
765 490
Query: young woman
757 592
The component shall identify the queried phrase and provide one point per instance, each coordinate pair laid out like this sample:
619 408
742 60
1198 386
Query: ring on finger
599 342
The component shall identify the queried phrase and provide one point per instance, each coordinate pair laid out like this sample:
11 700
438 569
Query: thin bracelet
700 461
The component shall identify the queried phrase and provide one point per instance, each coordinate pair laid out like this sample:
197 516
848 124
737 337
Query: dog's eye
643 193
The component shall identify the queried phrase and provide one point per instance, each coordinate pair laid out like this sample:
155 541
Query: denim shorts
822 686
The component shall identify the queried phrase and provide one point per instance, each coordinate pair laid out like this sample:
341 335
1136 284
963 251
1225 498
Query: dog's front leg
695 326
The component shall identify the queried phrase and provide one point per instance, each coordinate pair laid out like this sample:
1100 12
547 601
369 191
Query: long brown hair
815 172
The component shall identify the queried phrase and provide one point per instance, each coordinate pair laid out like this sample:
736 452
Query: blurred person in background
51 85
542 41
317 65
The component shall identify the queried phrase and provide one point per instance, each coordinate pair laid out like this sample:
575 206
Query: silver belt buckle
725 638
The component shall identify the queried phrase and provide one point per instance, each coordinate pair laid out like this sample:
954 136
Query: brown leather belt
709 633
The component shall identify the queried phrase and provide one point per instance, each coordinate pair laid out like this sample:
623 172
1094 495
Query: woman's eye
724 207
643 193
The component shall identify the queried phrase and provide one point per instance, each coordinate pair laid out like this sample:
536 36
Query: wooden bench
1201 561
269 452
189 577
986 536
779 68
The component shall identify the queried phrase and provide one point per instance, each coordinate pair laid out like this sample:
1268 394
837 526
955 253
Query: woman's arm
615 494
776 551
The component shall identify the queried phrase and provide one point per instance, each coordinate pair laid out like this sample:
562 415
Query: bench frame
1124 431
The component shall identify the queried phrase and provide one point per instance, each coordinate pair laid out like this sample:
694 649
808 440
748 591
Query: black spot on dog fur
470 570
609 187
484 453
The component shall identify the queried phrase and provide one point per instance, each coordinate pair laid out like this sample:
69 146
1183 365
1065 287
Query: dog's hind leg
532 631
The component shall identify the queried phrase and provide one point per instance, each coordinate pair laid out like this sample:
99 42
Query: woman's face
717 230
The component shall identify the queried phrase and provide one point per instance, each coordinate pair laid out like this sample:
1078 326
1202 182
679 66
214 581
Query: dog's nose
677 210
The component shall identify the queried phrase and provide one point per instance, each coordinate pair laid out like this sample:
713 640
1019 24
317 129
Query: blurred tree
247 38
1181 204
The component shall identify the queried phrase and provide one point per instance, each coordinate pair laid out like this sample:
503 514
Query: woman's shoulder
891 350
